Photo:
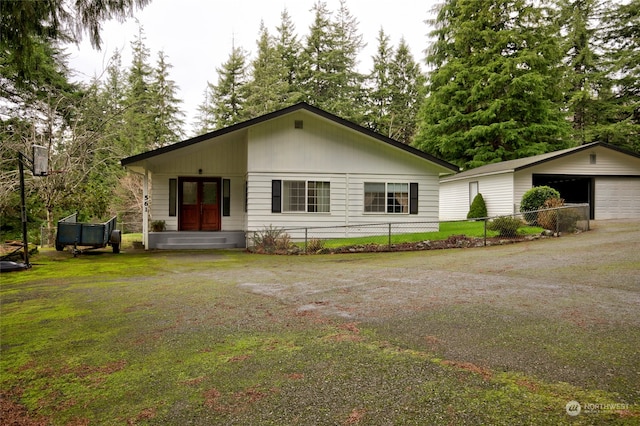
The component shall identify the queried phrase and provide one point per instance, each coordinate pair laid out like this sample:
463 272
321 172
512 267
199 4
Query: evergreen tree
228 95
344 77
113 92
114 88
329 78
586 80
268 89
138 102
622 35
380 92
493 94
167 115
289 49
408 86
315 59
24 25
205 120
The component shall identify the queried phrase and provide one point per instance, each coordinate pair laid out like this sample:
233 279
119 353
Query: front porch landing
181 240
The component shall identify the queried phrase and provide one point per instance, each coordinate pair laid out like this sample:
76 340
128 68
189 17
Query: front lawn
488 336
473 229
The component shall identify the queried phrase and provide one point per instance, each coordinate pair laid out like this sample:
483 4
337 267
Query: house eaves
511 166
130 161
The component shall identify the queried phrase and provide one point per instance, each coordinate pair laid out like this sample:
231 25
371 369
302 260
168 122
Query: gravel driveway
560 308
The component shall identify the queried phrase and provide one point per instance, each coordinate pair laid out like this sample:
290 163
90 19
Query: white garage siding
617 198
496 190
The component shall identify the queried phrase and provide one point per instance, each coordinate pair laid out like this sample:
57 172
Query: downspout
145 209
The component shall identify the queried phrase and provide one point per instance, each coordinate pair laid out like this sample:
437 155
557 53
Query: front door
199 204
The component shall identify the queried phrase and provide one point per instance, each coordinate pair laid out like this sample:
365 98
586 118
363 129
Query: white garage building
603 175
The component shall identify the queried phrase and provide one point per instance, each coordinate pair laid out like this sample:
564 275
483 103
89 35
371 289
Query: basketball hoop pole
23 210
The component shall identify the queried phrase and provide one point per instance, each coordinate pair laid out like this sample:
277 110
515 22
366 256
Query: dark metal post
485 231
23 209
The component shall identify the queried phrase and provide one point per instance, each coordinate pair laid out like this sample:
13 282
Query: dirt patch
13 413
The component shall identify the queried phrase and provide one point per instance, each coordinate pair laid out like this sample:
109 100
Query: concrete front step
196 240
194 246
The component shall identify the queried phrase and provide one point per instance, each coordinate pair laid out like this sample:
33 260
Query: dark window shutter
413 198
226 197
276 196
173 197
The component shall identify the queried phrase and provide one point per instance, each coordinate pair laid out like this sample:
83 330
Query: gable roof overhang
512 166
137 162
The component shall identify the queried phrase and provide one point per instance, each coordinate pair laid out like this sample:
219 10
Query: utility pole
23 211
39 167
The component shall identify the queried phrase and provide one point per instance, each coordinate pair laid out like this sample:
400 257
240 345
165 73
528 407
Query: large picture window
381 197
301 196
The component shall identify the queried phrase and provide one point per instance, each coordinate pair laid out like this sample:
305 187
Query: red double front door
199 201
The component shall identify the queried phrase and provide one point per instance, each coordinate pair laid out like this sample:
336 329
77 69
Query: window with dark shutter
226 197
173 197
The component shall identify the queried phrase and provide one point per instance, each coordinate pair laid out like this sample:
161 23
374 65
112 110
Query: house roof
523 163
297 107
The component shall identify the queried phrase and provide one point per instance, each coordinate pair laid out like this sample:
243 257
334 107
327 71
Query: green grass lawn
447 229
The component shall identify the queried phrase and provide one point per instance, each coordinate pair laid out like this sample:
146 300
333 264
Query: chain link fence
395 236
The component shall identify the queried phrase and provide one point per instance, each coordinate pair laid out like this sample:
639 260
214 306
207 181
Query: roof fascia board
457 177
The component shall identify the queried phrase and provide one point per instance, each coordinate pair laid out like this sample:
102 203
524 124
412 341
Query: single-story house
603 175
296 167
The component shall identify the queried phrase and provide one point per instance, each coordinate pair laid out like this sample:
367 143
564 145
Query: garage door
617 198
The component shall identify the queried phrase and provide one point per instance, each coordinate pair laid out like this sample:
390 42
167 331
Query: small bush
271 240
315 245
506 226
158 226
548 219
478 208
534 199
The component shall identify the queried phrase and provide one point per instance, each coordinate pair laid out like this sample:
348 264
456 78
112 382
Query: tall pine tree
380 92
139 100
622 36
167 115
408 87
228 95
328 63
586 80
493 93
288 48
268 88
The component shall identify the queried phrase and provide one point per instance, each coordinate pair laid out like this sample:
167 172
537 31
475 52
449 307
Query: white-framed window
384 197
305 196
318 197
293 196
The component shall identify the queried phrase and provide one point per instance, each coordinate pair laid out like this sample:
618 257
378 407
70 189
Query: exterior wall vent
592 159
298 124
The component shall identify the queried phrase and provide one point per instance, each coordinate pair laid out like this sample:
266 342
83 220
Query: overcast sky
197 35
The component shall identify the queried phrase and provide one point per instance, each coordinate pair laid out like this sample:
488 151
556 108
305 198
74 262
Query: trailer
70 232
